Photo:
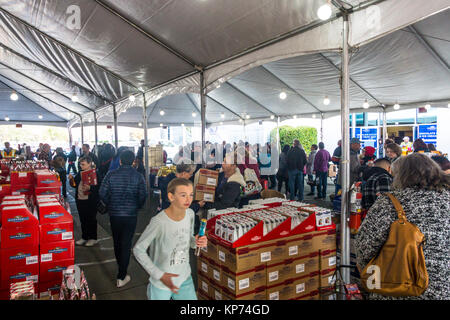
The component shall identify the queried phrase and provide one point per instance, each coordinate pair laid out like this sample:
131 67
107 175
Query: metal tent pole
96 133
145 125
82 130
116 131
70 136
345 161
321 127
384 130
203 111
278 136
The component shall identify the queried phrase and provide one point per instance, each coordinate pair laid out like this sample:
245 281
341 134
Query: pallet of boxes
205 183
272 250
36 235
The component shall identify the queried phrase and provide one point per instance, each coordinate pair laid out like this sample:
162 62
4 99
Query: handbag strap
398 207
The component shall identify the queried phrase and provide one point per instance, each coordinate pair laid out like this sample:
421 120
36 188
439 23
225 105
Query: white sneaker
91 243
81 242
121 283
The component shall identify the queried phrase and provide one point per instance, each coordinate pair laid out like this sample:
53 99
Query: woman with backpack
422 189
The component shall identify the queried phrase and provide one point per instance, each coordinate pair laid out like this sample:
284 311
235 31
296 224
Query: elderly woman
423 190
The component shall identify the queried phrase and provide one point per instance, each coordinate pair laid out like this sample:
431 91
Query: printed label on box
23 174
204 267
47 257
211 182
217 295
32 260
205 286
273 276
300 288
208 197
33 278
231 284
216 275
266 256
222 256
332 261
274 296
67 236
293 250
244 283
300 268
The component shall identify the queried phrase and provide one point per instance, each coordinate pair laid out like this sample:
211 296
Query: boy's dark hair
321 145
171 188
86 145
127 158
85 159
382 161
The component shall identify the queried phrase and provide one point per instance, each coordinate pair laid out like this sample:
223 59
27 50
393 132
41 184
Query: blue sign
428 133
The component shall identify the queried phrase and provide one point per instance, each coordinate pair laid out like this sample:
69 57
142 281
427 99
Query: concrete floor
99 264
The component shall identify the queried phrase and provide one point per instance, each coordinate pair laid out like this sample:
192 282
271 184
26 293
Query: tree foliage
306 135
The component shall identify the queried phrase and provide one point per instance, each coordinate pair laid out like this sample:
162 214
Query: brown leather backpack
401 262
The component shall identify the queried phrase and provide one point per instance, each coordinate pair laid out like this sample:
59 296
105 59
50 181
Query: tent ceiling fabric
118 50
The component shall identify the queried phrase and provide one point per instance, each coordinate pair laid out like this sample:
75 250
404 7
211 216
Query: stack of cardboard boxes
289 262
205 183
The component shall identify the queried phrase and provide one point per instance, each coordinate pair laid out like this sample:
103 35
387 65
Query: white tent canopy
254 48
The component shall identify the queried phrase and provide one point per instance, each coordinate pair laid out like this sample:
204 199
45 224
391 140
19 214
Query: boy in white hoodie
170 235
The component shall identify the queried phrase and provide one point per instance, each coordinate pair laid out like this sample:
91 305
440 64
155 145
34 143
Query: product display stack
267 251
205 183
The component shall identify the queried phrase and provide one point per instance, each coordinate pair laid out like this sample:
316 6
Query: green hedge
306 135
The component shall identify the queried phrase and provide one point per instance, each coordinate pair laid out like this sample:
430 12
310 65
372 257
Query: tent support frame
203 112
82 129
116 129
145 153
96 133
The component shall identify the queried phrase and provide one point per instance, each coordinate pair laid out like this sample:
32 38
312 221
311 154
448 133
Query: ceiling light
272 117
295 117
427 106
132 98
140 124
40 116
74 98
194 114
283 95
326 101
247 117
324 12
222 115
218 86
366 105
14 96
314 116
448 105
221 123
7 118
162 113
161 125
240 120
182 124
396 106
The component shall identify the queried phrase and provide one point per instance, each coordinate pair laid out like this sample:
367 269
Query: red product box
19 237
4 295
53 271
57 251
27 190
53 212
24 273
46 179
89 177
5 190
56 232
22 178
18 257
52 286
18 217
38 191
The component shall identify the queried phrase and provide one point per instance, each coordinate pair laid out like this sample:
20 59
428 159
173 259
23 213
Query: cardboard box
206 177
210 251
327 259
47 191
27 190
22 178
243 281
18 217
46 179
305 265
57 251
56 232
18 257
202 296
53 212
314 295
215 272
243 258
19 274
19 237
204 286
204 193
283 291
277 273
256 294
217 293
306 284
300 245
53 271
327 278
325 240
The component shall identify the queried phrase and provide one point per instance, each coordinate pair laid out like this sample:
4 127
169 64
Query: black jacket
296 159
72 156
93 193
227 195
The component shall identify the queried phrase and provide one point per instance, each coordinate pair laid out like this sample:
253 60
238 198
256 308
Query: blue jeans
296 178
186 292
322 187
